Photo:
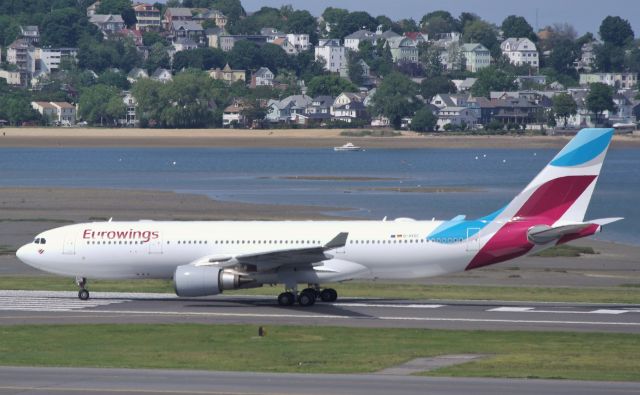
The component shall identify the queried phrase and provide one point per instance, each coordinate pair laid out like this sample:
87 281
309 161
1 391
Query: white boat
348 147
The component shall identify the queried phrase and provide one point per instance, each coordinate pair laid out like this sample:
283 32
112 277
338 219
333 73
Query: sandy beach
24 212
303 138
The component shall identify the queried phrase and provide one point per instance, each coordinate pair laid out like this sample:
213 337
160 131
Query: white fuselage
153 249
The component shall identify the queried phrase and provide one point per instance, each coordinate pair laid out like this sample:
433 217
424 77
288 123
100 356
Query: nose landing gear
83 294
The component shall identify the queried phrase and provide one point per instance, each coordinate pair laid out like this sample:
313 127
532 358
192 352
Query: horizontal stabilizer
544 234
605 221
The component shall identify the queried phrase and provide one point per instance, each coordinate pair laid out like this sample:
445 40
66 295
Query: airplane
205 258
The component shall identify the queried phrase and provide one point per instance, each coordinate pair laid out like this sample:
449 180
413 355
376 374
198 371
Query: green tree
564 106
395 98
245 55
232 9
101 104
430 58
159 57
616 31
632 60
609 58
333 18
600 99
150 38
302 22
64 28
479 31
199 58
492 79
355 68
114 79
562 57
440 21
331 85
273 57
429 87
423 121
517 26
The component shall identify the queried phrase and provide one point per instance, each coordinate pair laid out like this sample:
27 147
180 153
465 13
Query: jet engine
190 280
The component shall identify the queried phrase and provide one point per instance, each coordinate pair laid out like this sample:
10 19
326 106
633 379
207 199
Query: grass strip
565 250
581 356
373 289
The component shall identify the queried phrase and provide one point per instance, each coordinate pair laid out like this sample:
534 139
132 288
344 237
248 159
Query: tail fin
563 189
545 210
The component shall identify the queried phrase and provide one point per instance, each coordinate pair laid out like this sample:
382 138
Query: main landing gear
307 297
83 294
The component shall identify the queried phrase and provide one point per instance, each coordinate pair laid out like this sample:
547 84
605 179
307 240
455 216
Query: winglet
605 221
339 241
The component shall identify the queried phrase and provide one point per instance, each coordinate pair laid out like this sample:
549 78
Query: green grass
621 294
583 356
565 250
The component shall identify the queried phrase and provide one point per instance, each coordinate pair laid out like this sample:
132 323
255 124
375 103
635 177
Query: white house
353 40
130 114
262 77
184 44
521 51
162 75
287 109
403 49
617 80
476 56
456 116
333 54
299 41
232 115
58 112
347 106
136 73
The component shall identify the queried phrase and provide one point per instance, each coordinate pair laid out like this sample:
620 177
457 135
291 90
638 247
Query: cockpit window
37 241
40 240
43 241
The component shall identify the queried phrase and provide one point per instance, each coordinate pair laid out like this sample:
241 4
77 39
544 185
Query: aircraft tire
286 299
328 295
307 298
83 294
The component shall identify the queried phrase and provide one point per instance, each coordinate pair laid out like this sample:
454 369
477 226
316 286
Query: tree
492 79
99 104
466 18
424 120
331 85
440 21
616 31
333 18
355 68
564 106
353 22
232 9
199 58
119 7
632 60
431 60
600 99
150 38
64 28
274 57
517 26
609 58
429 87
479 31
158 57
114 79
245 55
302 22
395 98
562 56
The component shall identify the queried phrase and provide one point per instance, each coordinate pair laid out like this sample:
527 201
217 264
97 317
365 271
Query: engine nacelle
194 281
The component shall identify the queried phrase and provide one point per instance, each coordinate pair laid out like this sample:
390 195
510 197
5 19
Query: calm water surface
252 175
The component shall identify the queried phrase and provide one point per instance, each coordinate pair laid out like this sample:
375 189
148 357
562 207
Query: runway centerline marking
402 306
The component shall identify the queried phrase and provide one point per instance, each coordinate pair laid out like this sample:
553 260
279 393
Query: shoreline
274 138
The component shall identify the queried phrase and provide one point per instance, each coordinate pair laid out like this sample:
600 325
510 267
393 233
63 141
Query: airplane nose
22 252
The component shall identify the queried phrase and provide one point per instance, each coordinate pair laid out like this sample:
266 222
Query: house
12 77
403 49
521 51
233 116
476 56
271 33
23 55
130 113
353 40
508 111
184 44
299 41
287 109
175 14
456 116
320 108
133 35
187 29
348 106
162 75
91 10
147 17
49 59
587 57
417 37
284 43
227 42
262 77
31 34
525 81
445 40
228 75
444 100
212 35
380 122
135 74
616 80
107 23
45 109
332 53
57 112
205 14
386 34
465 84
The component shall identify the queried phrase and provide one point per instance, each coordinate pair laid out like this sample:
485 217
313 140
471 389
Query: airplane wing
268 260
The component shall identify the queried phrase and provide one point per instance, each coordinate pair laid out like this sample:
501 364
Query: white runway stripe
404 306
509 309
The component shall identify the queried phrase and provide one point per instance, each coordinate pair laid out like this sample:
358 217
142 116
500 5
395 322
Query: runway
49 307
17 380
